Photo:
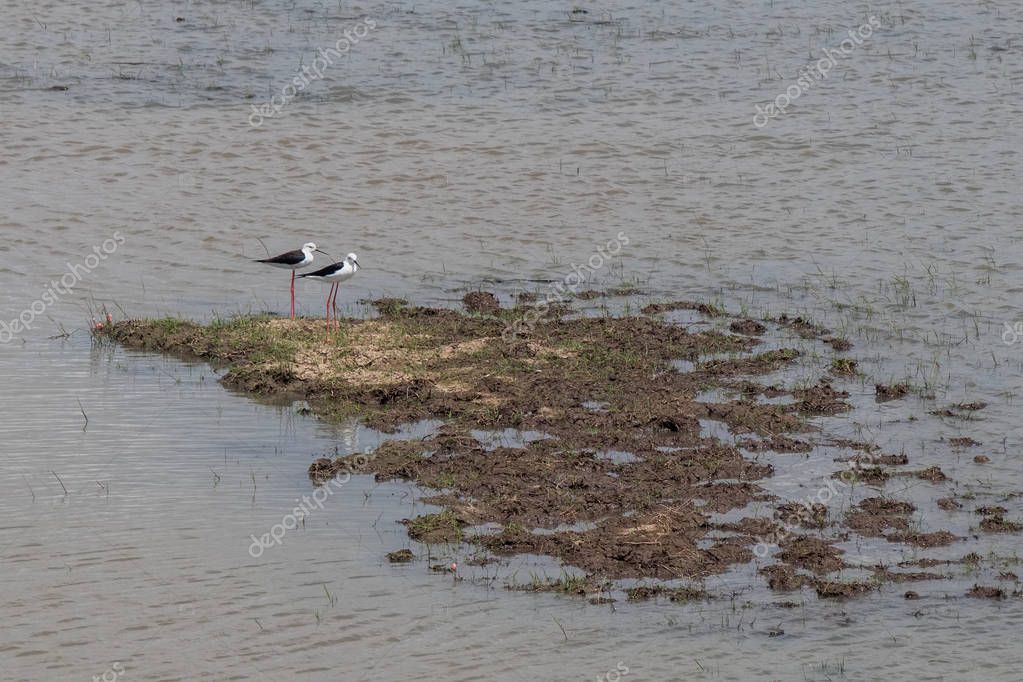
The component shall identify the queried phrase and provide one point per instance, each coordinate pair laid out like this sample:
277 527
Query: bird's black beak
356 263
324 253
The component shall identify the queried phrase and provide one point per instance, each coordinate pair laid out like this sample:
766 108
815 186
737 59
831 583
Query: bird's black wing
289 258
323 272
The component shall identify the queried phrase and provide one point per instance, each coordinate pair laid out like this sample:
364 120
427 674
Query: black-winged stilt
335 274
294 260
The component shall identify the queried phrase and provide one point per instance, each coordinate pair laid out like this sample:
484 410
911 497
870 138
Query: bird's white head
309 247
352 260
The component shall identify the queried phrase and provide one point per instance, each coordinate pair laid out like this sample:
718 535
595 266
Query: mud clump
802 327
402 556
388 307
845 367
444 527
884 393
872 475
939 538
843 590
762 363
963 411
675 594
874 459
986 592
811 553
703 308
747 327
875 515
884 574
932 474
776 443
998 524
813 515
838 344
481 302
784 578
822 399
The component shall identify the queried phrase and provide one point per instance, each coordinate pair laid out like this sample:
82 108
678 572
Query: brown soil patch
811 553
747 327
963 411
949 504
806 516
704 308
843 590
801 327
676 594
886 575
939 538
821 399
402 556
776 443
844 367
482 302
875 515
932 474
986 592
837 343
762 363
883 393
784 578
872 475
997 524
871 459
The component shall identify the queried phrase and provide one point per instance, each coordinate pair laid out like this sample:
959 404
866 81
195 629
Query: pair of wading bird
335 273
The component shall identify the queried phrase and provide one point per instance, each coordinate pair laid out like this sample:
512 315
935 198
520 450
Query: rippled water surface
460 145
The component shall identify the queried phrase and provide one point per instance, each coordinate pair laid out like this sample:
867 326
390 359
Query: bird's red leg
333 304
328 309
333 301
293 294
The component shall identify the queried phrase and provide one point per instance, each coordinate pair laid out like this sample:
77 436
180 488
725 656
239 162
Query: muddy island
639 443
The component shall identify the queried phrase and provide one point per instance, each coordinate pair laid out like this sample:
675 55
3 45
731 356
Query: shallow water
461 145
